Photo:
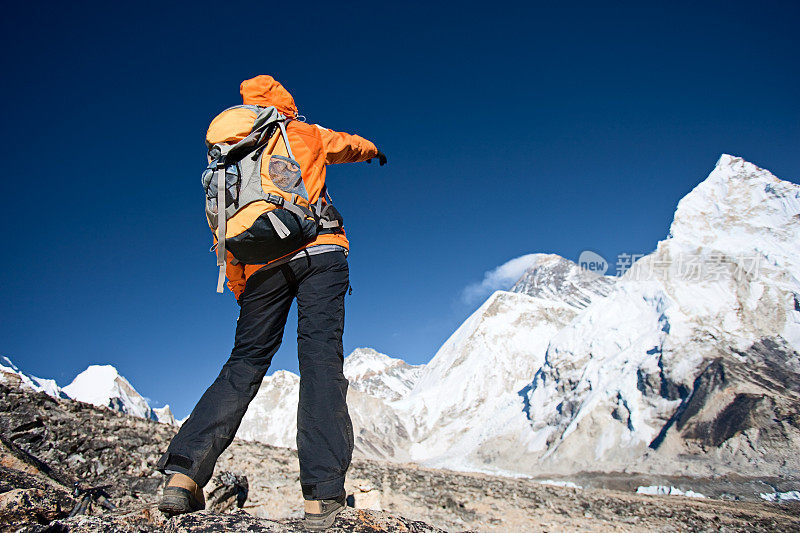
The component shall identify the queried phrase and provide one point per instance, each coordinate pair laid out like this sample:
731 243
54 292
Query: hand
381 158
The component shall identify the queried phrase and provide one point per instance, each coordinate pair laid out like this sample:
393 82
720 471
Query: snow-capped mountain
469 390
379 375
374 379
99 385
103 386
165 416
272 415
694 353
13 376
557 279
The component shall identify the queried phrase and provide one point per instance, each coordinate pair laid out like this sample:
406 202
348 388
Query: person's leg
324 429
212 425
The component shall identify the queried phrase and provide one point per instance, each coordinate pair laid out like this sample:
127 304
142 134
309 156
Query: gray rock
350 520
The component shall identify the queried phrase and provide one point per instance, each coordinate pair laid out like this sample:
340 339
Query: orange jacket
312 146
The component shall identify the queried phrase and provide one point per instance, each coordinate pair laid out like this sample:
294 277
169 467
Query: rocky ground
47 445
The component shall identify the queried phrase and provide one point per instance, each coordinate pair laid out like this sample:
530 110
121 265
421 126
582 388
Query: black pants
324 429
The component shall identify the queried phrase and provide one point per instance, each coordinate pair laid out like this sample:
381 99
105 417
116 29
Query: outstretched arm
345 148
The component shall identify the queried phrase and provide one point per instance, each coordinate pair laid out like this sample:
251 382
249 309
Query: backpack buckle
277 199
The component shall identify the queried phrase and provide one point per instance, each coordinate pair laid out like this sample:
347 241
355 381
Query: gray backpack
262 194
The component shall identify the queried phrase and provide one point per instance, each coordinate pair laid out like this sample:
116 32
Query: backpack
257 184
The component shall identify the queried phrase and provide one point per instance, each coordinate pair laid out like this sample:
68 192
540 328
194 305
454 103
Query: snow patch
792 495
663 490
556 483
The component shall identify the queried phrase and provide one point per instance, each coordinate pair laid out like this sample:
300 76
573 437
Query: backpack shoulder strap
222 223
282 125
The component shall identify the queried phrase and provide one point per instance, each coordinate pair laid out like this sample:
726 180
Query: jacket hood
265 91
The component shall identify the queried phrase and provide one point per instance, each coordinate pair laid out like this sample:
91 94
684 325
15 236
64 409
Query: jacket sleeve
236 277
345 148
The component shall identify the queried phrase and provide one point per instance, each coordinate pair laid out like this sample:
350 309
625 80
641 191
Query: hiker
315 273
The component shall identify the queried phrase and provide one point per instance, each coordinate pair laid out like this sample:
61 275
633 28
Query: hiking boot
181 495
320 514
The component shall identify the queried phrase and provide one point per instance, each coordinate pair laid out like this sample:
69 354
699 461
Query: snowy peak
374 380
558 279
164 415
379 375
272 415
281 379
741 207
573 371
693 351
99 385
364 361
103 386
10 374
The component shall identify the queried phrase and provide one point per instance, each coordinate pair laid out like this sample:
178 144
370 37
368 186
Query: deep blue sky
510 129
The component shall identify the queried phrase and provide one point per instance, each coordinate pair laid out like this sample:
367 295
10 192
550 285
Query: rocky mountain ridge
11 375
100 385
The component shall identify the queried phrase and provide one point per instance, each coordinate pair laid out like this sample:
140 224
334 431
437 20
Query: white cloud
500 278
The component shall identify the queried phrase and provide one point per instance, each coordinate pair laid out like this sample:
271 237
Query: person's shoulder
305 129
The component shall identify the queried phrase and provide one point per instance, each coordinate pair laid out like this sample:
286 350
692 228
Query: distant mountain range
99 385
686 364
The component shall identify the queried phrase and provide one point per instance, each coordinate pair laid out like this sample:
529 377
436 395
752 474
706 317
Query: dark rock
33 505
711 379
739 415
231 489
349 520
